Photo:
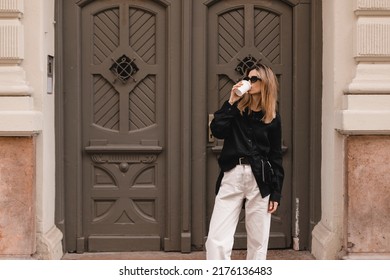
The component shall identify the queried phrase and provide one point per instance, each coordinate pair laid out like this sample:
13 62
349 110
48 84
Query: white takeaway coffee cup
246 85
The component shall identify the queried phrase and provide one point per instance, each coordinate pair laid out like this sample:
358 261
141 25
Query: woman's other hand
272 206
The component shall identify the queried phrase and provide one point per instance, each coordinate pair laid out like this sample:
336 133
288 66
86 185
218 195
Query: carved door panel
240 33
123 99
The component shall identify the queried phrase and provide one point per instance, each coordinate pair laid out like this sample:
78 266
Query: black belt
243 160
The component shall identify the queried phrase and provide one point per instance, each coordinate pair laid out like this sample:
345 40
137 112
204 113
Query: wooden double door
137 84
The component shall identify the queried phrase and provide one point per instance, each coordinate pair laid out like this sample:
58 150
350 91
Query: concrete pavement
198 255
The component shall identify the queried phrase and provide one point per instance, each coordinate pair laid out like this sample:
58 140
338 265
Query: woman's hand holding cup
238 90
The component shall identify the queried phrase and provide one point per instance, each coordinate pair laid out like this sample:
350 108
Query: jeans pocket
230 177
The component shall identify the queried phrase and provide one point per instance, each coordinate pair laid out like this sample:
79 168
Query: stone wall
17 197
27 114
368 181
355 131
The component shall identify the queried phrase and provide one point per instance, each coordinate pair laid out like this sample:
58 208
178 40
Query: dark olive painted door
140 79
234 33
243 33
117 91
123 131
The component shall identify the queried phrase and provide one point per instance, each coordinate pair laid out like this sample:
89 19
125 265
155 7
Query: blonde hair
268 91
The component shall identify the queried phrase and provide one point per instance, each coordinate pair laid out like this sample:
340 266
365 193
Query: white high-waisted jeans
239 184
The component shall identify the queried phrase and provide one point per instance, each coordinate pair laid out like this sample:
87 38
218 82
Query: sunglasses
252 79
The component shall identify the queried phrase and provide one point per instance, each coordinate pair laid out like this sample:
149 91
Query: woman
251 166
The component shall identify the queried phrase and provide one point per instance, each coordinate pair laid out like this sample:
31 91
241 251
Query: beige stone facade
27 171
355 105
355 131
368 210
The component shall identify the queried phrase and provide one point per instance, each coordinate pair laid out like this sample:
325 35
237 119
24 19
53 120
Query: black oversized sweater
246 135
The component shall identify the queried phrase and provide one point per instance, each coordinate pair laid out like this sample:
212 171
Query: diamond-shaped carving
246 63
124 68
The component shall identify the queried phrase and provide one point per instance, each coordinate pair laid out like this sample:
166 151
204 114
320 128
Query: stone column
27 147
17 142
365 121
338 71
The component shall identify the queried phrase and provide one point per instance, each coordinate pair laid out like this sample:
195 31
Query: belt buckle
240 159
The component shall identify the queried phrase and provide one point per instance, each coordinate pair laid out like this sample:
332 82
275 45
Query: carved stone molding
12 80
373 4
11 8
11 38
373 40
372 48
373 30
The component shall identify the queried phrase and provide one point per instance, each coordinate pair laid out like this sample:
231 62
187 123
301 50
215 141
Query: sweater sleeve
276 159
222 122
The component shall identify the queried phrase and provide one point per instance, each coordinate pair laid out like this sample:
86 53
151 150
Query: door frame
186 226
68 131
306 123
